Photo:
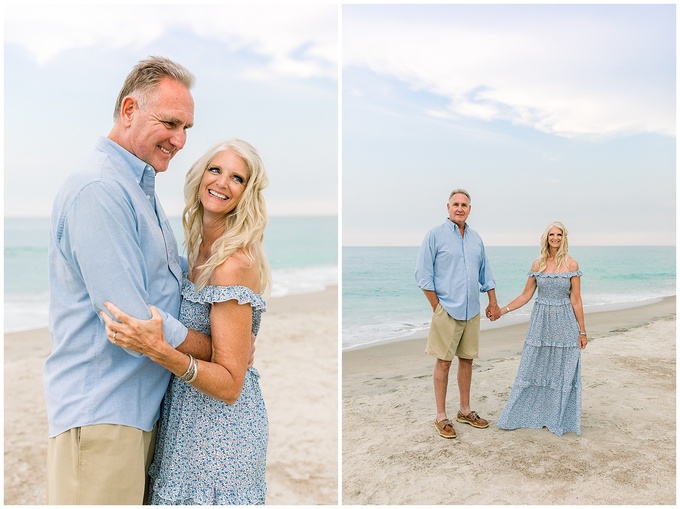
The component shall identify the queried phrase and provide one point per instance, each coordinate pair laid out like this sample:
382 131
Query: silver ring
113 338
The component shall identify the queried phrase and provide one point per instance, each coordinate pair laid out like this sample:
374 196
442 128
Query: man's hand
432 299
493 312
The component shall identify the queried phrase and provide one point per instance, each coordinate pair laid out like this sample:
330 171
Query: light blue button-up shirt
456 268
109 241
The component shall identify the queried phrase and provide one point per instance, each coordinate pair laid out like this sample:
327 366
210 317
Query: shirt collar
124 158
454 226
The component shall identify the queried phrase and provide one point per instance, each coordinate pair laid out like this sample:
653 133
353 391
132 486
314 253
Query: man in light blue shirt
452 269
111 241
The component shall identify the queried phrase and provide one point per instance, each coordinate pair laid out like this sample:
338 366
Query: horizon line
173 215
534 245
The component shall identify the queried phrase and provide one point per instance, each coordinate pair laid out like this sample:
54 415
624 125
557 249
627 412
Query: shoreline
271 301
501 342
510 321
296 353
625 454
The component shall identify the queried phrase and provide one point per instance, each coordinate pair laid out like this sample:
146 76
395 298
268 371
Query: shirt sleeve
184 263
486 280
99 239
425 263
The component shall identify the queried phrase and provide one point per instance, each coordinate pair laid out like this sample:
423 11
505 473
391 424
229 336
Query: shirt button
148 197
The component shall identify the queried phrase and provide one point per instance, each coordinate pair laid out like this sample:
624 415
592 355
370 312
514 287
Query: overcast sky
542 112
267 74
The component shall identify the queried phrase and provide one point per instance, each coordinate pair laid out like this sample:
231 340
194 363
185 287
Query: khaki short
450 337
100 464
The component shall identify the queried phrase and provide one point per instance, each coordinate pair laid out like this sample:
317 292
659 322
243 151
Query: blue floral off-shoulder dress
208 452
547 390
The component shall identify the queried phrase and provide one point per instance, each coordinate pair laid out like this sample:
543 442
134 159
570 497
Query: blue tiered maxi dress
547 390
208 452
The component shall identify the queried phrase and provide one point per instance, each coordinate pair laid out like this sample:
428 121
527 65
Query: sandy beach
296 355
625 454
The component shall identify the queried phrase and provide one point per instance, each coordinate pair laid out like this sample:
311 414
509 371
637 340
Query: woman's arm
222 377
145 337
151 331
231 324
523 297
196 344
577 304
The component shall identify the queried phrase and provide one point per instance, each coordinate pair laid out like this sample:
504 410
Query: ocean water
381 302
302 252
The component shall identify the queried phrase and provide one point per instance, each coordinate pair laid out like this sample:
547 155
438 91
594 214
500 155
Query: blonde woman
547 391
212 437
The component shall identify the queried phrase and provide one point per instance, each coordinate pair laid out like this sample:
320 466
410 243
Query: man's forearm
492 296
493 312
431 298
198 345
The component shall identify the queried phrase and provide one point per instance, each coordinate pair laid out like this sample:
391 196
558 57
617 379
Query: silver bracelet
191 372
191 380
582 333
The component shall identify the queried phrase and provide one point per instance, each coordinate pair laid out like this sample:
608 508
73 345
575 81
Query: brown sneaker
445 428
473 420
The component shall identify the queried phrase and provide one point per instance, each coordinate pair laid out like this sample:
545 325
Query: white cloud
51 29
301 42
285 114
586 76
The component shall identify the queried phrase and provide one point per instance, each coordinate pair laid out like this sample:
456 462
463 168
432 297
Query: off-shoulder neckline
555 273
219 286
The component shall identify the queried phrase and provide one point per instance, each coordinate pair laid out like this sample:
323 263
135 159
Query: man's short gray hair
461 191
144 78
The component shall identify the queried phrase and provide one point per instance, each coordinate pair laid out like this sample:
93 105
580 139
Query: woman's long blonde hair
562 255
244 226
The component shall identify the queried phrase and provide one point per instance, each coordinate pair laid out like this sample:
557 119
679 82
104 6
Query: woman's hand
582 341
142 336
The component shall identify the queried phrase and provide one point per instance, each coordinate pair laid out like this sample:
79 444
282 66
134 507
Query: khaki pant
449 337
100 464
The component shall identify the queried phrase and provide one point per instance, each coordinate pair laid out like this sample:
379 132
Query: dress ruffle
569 274
199 318
211 294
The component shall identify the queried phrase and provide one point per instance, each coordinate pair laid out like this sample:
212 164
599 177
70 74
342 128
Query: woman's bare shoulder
237 270
572 264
